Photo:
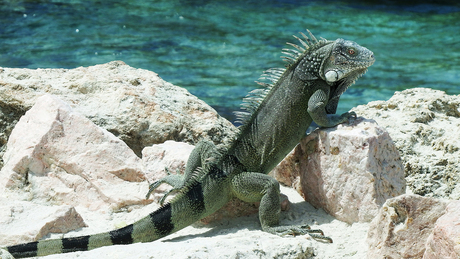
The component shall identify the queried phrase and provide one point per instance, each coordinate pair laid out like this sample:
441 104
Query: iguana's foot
175 180
347 116
317 234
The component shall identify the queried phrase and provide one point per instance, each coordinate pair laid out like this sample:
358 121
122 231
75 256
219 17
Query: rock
5 254
18 226
402 227
349 170
9 116
424 125
57 156
443 241
135 105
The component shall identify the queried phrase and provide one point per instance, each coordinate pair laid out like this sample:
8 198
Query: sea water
217 49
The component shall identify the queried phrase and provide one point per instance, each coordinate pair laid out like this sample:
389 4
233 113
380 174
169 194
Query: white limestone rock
57 156
402 227
136 105
349 170
424 124
24 221
5 254
444 240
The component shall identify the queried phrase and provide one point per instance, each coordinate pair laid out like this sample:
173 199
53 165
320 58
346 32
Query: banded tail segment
184 210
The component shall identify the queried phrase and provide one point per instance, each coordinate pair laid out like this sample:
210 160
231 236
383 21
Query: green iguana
274 119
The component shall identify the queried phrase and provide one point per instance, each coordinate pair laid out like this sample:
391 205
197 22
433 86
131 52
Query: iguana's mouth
363 61
357 70
363 64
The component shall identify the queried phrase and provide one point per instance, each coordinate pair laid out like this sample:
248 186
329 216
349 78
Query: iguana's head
346 59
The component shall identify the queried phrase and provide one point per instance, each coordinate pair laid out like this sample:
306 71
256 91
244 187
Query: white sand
233 238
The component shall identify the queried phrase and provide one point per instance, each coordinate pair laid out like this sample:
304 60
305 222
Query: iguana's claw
175 180
348 115
295 230
352 115
317 234
152 188
155 185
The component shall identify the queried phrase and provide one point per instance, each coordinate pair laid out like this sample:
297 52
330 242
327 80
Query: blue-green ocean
217 49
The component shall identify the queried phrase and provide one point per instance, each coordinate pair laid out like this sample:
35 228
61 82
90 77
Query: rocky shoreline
79 147
135 105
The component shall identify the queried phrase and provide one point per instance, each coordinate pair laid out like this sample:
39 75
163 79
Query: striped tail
183 211
156 225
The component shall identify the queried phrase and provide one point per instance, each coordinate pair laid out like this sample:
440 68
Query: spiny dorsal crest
252 101
292 55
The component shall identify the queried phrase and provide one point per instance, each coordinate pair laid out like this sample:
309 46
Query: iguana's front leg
255 187
317 110
200 155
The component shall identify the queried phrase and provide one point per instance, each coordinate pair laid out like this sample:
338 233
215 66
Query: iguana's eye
351 51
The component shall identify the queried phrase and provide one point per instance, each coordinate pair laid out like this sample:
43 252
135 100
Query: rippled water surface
217 49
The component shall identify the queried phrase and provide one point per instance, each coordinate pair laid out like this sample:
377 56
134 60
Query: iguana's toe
299 230
174 180
347 116
152 188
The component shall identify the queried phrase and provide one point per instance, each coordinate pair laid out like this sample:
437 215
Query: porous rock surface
23 221
349 170
424 124
402 227
58 156
444 240
136 105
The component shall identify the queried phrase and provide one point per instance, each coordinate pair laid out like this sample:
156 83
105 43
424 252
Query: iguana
274 119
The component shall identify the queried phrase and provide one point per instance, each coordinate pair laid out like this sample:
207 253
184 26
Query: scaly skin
275 120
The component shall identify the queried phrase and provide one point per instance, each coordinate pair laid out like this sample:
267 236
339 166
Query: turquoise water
217 49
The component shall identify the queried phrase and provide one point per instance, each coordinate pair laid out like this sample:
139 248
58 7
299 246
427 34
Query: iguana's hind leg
254 187
203 151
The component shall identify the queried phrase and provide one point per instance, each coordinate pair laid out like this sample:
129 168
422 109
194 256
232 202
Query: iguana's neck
278 124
